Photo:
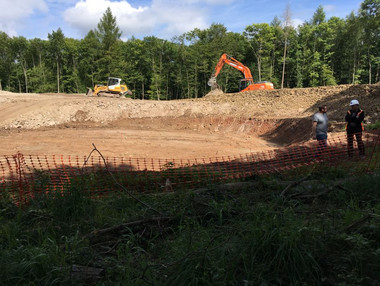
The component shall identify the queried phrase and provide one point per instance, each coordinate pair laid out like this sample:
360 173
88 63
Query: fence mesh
25 176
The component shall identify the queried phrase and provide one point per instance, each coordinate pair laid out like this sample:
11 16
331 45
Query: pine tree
108 32
57 43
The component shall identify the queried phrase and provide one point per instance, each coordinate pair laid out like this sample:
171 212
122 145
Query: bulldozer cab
113 82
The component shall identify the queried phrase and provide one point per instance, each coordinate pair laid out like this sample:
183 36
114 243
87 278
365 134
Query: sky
161 18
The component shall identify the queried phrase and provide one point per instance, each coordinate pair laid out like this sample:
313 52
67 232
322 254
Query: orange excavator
246 83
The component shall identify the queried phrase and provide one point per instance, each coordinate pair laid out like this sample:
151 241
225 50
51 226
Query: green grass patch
323 231
373 126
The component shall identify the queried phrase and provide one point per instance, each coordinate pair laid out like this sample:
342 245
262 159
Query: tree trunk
259 66
143 90
188 83
42 69
369 68
57 76
195 82
26 80
353 72
25 77
283 64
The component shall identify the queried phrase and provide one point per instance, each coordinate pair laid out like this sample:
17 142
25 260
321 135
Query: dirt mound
302 102
213 93
30 111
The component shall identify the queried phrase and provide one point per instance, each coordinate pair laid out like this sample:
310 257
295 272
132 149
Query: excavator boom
246 83
226 59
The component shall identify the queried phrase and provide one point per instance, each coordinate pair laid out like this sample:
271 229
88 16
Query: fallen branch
343 189
358 222
119 227
116 182
89 275
316 195
301 196
293 185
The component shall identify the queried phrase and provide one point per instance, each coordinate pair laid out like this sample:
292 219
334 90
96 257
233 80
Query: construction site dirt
216 125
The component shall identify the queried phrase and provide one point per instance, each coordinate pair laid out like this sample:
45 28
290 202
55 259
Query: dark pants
322 143
350 143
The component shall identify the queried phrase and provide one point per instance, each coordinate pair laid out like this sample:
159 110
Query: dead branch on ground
360 221
116 181
120 227
294 184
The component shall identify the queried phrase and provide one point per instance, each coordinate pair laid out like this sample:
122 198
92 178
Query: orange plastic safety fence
27 176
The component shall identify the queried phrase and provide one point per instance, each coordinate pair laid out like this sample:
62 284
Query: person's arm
361 117
314 130
347 118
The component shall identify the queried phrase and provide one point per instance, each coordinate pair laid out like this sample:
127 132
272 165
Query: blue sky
161 18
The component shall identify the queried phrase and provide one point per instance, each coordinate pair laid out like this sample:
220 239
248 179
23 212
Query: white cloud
13 13
85 15
297 22
164 18
212 2
329 8
178 17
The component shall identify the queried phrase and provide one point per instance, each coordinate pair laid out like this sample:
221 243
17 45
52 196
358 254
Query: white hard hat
354 102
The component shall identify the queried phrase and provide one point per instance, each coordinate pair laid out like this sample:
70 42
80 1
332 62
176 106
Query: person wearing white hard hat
354 127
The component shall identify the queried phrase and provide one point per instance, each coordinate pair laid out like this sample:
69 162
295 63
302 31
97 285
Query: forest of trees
317 53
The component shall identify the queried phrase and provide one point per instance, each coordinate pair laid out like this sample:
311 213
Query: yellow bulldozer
115 88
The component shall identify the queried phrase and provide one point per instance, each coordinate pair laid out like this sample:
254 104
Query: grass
374 126
246 235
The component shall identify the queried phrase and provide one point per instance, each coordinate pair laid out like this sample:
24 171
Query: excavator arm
246 84
227 59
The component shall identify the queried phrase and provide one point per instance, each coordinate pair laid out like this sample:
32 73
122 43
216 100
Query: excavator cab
244 83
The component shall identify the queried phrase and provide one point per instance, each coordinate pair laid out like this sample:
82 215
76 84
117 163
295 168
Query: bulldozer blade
89 92
124 94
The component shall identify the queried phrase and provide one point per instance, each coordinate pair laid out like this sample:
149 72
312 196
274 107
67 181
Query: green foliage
108 32
373 126
244 236
319 52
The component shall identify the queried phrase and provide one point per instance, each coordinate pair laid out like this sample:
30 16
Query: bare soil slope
216 125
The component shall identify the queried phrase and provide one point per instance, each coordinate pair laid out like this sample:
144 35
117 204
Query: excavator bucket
212 82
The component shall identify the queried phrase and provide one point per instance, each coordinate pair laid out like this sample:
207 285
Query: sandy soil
172 144
216 125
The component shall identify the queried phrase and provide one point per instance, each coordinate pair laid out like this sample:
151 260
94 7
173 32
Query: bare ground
216 125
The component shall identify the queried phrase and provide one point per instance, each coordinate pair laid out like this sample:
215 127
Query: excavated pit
165 137
212 126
